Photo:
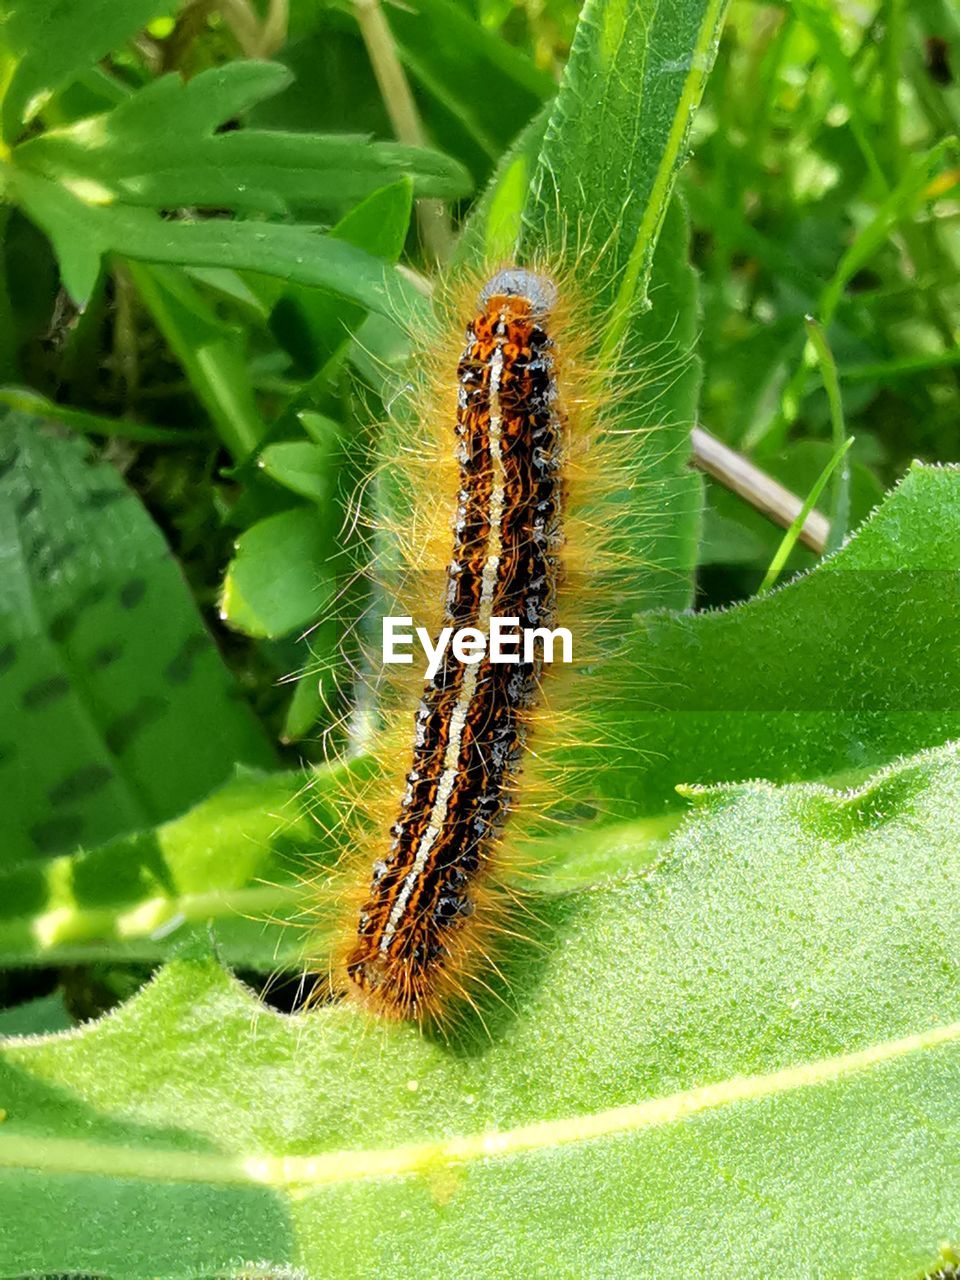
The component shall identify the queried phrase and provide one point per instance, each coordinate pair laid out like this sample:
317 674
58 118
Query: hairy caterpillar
472 720
518 479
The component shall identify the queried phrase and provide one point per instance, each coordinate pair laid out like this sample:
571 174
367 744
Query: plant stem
432 217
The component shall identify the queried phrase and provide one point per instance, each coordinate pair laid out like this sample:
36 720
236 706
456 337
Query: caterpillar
472 720
517 496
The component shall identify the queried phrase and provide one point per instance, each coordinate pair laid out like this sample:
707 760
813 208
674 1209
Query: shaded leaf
484 87
48 41
315 326
226 869
36 1017
243 868
211 352
110 681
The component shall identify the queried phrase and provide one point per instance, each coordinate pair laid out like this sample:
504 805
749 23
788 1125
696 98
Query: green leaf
110 680
83 231
379 223
226 869
36 1017
690 1065
837 672
300 466
616 138
660 535
48 41
312 325
846 665
305 708
281 577
160 149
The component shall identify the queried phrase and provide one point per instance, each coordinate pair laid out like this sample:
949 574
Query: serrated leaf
83 230
110 679
160 149
690 1064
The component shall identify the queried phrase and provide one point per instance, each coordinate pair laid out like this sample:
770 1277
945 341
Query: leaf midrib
637 270
298 1173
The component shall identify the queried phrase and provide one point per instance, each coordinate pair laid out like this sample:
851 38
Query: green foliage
821 185
800 710
94 186
733 1038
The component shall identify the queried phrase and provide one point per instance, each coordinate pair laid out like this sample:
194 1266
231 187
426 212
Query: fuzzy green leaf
689 1064
616 138
836 672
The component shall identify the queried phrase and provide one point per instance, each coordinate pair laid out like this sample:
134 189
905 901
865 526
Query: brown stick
432 217
768 496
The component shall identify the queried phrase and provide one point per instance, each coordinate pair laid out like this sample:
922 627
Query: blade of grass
840 501
790 537
923 181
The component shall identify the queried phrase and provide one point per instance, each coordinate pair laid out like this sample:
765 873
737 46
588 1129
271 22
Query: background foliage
746 991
